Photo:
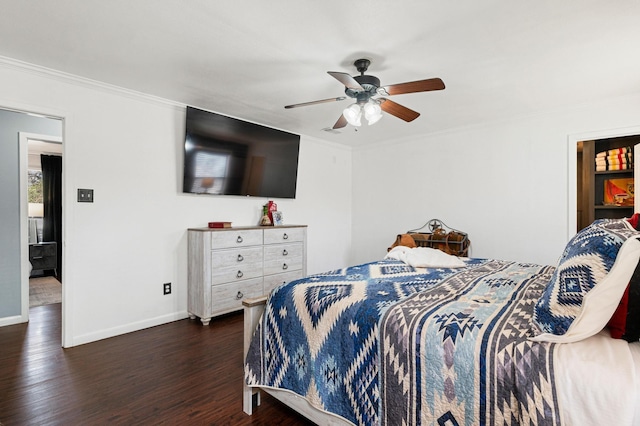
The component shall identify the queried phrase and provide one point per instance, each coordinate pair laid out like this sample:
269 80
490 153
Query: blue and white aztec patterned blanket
384 343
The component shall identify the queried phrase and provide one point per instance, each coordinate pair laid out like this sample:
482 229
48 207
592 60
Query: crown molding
76 80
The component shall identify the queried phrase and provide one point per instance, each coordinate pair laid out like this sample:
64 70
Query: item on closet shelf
615 159
619 192
441 237
219 224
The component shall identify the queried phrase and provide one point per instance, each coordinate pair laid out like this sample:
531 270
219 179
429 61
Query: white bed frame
253 309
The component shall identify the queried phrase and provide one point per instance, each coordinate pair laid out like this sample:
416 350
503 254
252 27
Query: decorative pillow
618 322
588 283
632 323
624 323
633 220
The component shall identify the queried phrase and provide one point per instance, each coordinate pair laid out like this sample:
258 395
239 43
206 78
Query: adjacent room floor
44 291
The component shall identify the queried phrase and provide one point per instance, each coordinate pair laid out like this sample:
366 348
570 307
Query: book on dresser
219 224
227 265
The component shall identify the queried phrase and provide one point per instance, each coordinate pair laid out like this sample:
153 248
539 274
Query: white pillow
424 257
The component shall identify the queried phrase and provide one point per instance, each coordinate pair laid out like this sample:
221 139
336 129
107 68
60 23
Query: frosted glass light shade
352 114
372 112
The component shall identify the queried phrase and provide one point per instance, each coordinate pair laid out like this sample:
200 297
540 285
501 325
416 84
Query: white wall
121 248
506 184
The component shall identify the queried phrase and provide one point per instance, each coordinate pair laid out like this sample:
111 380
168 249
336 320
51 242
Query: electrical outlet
166 288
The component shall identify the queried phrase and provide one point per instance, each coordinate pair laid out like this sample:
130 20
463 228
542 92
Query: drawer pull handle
37 257
239 239
285 266
239 295
240 258
285 252
239 274
285 236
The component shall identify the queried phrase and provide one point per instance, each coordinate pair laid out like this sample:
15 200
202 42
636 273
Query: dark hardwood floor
176 374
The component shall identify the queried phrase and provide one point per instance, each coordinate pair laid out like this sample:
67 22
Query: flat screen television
226 156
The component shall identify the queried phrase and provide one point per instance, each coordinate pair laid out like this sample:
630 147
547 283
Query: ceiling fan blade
322 101
412 87
398 110
340 123
347 80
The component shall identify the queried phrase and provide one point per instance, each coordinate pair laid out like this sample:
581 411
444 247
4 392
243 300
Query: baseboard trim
127 328
17 319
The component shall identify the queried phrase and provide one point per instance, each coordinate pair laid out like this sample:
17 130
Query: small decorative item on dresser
277 218
219 224
265 221
271 207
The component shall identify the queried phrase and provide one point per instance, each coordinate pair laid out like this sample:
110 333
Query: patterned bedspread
384 343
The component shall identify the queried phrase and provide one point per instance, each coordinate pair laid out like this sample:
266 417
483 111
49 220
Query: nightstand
44 256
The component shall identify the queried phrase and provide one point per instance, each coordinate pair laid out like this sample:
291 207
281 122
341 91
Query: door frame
24 138
572 180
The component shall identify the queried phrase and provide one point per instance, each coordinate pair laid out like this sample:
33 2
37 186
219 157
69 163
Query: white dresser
227 265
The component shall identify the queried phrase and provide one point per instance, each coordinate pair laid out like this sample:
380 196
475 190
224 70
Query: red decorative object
219 224
271 207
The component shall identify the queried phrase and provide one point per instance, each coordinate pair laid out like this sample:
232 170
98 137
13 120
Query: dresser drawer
278 235
236 238
273 281
228 297
282 265
236 258
282 251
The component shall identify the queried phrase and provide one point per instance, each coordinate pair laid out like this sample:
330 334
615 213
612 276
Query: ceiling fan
363 88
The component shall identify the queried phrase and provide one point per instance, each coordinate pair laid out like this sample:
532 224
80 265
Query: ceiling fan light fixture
362 89
353 114
372 112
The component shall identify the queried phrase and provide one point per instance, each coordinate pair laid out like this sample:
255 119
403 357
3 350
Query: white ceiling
498 58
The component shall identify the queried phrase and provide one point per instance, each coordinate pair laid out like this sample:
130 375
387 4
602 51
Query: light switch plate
85 195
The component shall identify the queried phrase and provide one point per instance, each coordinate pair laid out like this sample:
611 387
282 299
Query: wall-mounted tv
226 156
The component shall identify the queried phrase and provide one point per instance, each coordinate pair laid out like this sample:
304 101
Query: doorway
584 204
14 271
44 161
605 179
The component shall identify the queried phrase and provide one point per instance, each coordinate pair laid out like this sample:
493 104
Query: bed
421 339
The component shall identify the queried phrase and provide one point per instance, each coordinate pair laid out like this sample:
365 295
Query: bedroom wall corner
505 183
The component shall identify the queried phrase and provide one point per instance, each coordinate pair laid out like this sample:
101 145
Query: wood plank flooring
176 374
